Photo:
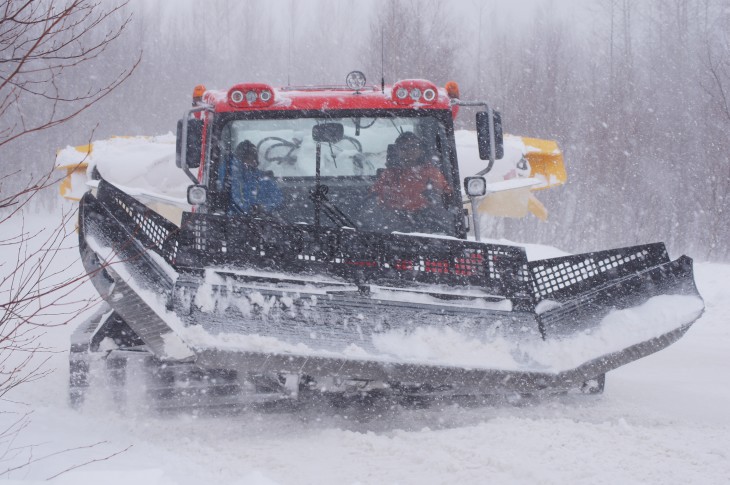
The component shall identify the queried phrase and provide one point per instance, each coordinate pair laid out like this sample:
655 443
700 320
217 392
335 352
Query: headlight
355 80
251 97
475 186
415 94
402 93
265 96
429 95
236 96
197 194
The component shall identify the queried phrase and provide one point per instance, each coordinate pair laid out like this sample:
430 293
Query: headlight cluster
243 95
251 96
414 91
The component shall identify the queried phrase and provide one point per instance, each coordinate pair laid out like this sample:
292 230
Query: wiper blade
319 197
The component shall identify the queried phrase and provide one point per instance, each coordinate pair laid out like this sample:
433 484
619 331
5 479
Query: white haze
634 92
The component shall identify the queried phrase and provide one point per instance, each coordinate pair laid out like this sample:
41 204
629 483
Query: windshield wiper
319 196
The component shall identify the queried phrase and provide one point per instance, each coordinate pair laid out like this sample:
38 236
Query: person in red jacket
410 182
411 185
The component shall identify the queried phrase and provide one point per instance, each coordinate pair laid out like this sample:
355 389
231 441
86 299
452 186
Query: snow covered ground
663 419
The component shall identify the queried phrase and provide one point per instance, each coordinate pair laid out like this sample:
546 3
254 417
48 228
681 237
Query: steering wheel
355 142
280 152
357 159
362 164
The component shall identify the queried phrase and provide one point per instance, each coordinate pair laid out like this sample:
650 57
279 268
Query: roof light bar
412 91
251 95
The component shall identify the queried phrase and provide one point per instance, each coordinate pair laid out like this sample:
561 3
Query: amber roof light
452 89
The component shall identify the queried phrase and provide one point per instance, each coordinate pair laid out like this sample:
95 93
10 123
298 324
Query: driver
251 190
411 183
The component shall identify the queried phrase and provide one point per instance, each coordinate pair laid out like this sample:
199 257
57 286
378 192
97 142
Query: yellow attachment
74 184
537 208
510 203
546 160
74 171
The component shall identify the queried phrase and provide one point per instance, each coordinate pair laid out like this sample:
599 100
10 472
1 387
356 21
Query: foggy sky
631 90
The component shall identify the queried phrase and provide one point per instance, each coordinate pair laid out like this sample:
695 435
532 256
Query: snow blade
473 317
578 291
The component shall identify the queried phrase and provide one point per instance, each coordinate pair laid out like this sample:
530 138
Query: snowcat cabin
349 167
357 179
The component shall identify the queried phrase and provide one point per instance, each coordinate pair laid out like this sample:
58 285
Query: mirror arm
184 142
469 104
492 148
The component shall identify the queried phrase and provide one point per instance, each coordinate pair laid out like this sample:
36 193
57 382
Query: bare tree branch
89 462
42 46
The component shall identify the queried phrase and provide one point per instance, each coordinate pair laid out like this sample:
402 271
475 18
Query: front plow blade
604 310
520 326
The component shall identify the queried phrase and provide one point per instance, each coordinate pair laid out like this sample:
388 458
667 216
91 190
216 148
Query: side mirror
475 186
328 132
197 194
194 143
484 136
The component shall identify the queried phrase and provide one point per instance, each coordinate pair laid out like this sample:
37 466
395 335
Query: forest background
637 93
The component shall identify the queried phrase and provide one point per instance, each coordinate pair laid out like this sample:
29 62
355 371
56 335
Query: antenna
382 61
288 63
288 60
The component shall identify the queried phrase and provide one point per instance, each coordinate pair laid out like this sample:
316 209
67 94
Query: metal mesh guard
561 278
154 231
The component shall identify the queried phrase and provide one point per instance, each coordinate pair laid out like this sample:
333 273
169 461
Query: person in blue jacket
251 190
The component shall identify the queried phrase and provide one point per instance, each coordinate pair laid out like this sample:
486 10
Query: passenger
251 190
410 183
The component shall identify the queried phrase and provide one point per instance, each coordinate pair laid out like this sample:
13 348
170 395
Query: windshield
368 178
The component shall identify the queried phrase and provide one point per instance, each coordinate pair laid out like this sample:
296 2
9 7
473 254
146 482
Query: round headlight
197 195
265 96
475 186
355 80
429 94
401 93
236 96
251 96
415 94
